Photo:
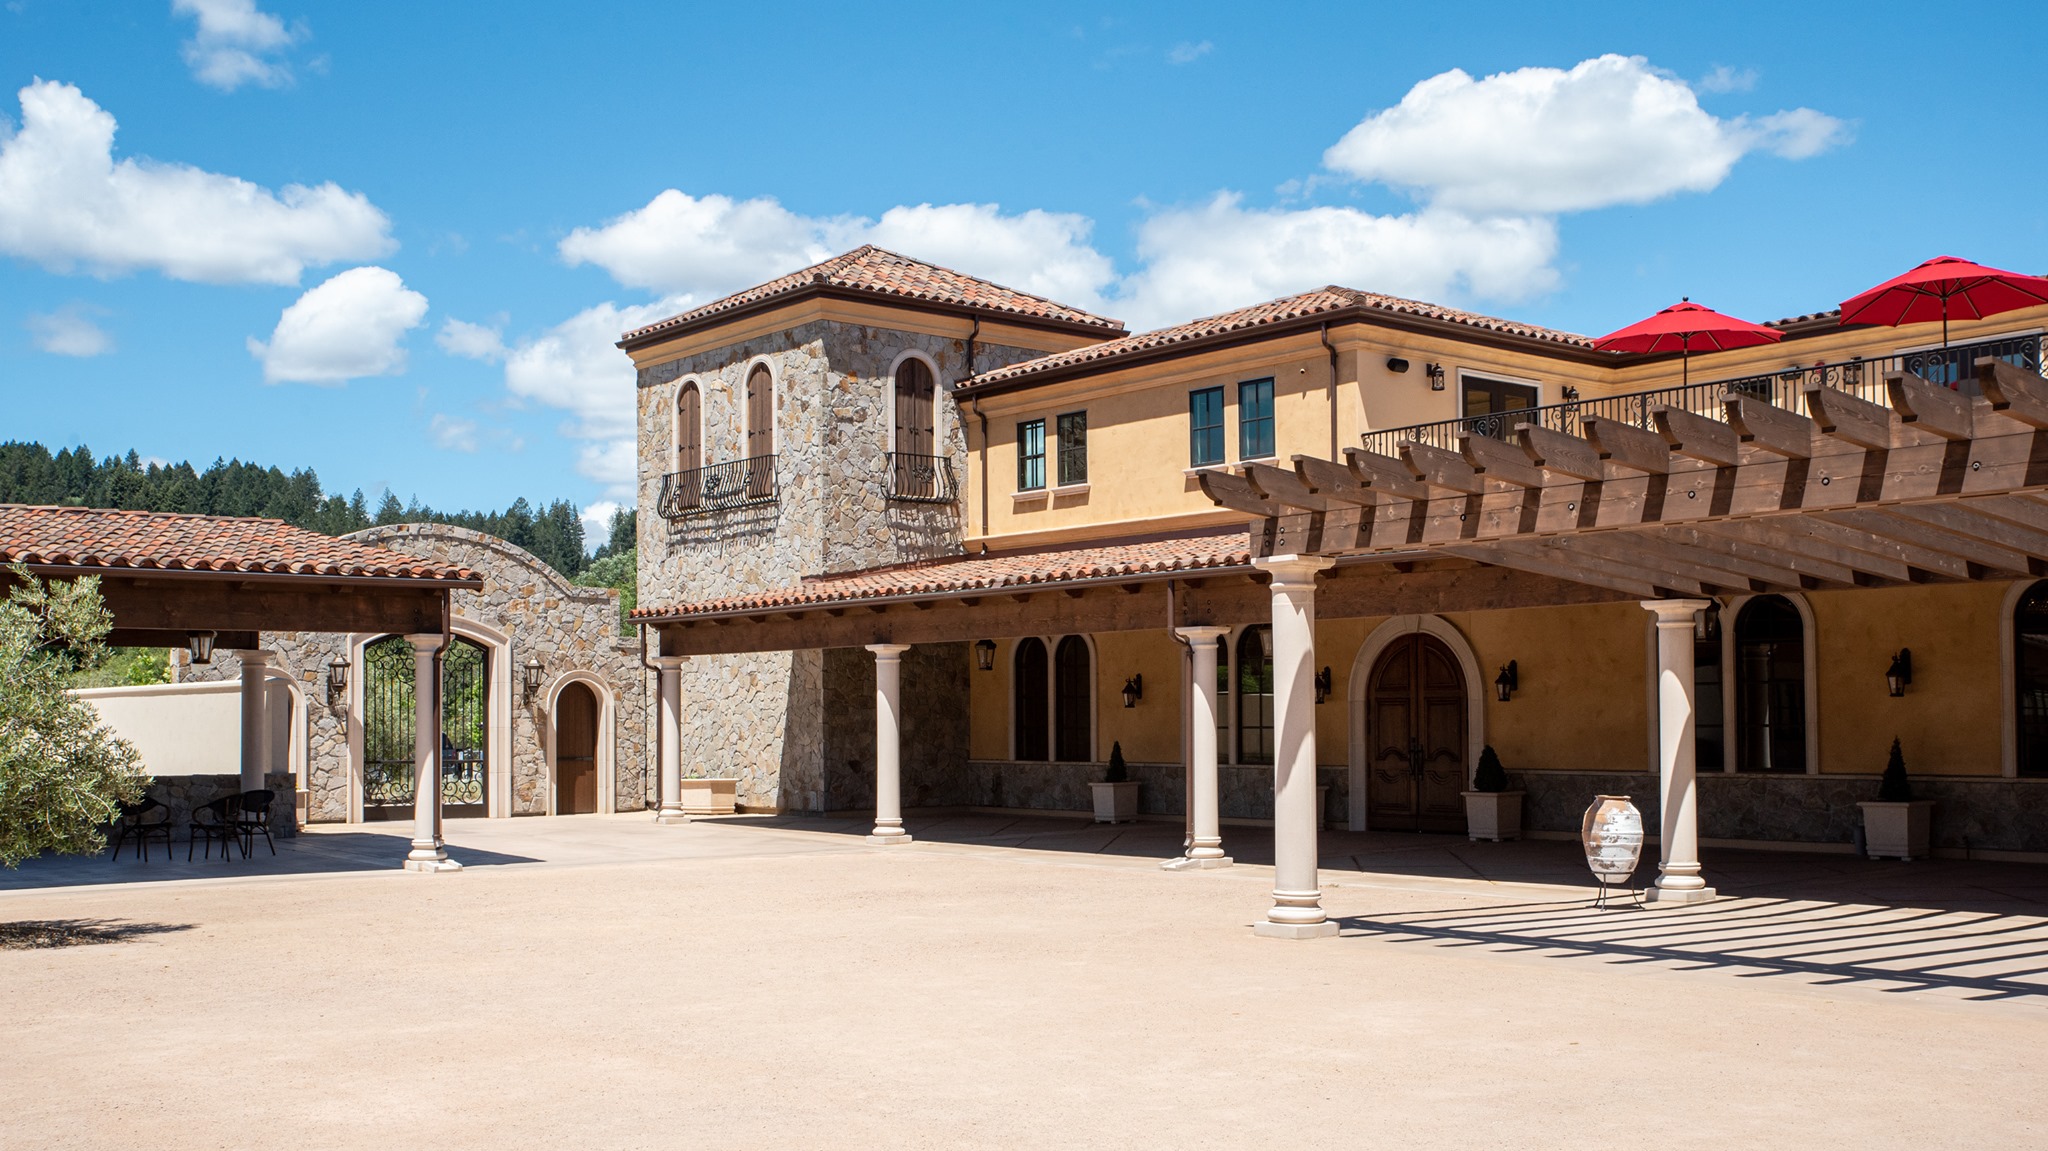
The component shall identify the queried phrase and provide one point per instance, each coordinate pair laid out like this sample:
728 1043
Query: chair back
256 804
220 811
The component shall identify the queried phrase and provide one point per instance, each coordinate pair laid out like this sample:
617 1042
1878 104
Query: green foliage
63 774
1490 775
619 571
1117 772
126 667
1894 787
29 474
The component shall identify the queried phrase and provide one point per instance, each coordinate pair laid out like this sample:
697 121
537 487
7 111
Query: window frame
1067 450
1042 689
1196 431
759 367
1026 458
1247 426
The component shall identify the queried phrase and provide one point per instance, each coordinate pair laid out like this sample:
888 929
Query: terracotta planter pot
1897 830
1494 815
709 796
1115 802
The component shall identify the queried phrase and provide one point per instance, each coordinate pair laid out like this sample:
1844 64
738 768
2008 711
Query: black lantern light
200 645
1900 673
1706 623
529 677
1134 690
985 654
1322 685
1435 372
337 680
1507 681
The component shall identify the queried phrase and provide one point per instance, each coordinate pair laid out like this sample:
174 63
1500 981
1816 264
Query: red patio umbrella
1684 326
1942 287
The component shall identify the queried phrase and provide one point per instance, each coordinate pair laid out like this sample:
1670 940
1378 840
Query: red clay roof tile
168 541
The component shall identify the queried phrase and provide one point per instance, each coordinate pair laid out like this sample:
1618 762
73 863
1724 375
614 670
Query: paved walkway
1015 982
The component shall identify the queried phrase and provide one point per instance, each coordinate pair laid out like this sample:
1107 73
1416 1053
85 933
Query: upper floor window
689 428
1497 399
1073 448
916 409
1255 419
760 412
1205 427
1031 456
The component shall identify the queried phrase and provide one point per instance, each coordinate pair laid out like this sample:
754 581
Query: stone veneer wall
183 794
934 726
1243 791
761 718
568 628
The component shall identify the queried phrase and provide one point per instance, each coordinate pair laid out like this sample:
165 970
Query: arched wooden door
576 750
1415 731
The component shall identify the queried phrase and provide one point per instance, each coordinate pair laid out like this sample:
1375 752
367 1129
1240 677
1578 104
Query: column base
882 838
1271 930
1678 896
1192 863
672 817
442 864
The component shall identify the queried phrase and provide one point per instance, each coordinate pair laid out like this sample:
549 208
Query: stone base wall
1974 814
184 794
1244 792
934 735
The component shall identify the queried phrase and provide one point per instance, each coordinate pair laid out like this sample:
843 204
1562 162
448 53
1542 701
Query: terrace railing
922 479
717 488
1786 389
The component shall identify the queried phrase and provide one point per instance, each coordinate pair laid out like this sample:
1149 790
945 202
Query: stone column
1297 911
255 721
1678 869
1205 850
670 738
427 852
889 743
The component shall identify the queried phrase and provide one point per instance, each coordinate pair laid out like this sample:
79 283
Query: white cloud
597 522
65 202
1186 53
1044 253
1726 79
70 331
575 366
236 44
1222 255
344 329
451 434
1612 130
471 341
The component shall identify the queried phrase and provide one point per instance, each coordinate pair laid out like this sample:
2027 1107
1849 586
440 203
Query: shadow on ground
36 934
326 853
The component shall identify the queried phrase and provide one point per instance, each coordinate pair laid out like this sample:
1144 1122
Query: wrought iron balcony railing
1786 389
717 488
922 479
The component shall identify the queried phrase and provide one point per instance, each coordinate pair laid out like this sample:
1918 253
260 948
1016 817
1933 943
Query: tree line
31 474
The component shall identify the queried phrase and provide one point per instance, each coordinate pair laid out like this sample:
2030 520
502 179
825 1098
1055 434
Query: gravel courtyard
601 982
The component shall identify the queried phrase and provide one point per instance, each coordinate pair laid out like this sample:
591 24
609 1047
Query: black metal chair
253 819
141 822
214 822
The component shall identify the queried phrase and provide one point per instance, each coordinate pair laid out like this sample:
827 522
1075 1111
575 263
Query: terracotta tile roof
1322 301
167 541
966 574
884 273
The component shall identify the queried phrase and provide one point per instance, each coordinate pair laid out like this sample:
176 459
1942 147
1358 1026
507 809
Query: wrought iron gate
388 728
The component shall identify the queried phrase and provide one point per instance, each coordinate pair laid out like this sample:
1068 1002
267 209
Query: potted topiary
1895 825
1491 810
1116 797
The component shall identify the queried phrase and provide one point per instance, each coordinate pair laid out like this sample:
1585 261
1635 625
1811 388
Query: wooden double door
1415 738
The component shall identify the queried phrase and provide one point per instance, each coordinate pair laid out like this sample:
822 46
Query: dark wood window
1223 699
689 429
1770 686
1073 692
1255 419
916 392
1489 402
1073 428
1028 740
1709 725
2030 679
1205 427
1255 695
760 412
1031 456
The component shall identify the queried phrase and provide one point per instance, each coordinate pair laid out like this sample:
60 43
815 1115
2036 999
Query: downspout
974 403
648 764
1332 349
1187 669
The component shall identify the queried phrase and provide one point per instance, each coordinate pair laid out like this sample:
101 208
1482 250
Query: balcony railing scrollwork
719 487
922 479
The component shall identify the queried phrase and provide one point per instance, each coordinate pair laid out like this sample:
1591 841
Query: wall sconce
1134 690
1435 372
1706 624
529 678
1396 365
337 680
1508 681
1900 673
985 654
1570 392
200 645
1322 685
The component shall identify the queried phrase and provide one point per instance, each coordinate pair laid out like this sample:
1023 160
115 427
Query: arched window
1073 693
1028 687
1255 695
760 432
1223 699
916 409
2030 680
689 429
1770 686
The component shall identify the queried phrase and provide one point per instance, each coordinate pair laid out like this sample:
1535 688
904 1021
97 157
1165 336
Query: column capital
668 662
252 657
1293 570
1675 612
1201 633
888 650
425 643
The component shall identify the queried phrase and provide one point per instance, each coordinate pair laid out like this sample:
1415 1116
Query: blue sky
488 192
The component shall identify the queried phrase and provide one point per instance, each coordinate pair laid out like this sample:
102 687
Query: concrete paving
1008 982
